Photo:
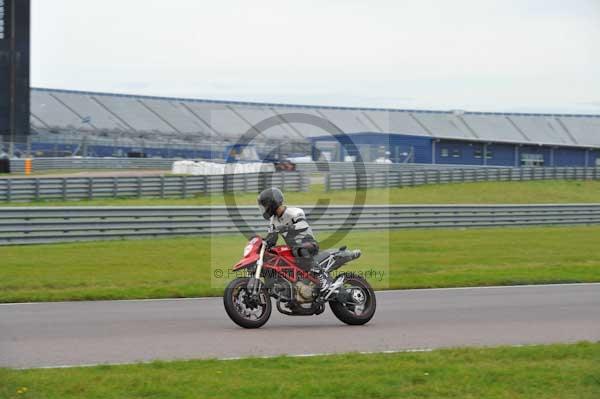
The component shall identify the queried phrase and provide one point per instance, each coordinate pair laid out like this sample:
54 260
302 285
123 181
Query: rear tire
239 311
348 313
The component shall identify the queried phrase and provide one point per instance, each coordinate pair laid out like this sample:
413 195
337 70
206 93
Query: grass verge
550 191
182 267
536 372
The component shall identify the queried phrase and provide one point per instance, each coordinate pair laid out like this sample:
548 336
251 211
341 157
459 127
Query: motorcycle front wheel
242 309
363 305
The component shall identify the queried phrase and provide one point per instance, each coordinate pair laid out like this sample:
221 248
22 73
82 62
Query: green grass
551 191
181 267
534 372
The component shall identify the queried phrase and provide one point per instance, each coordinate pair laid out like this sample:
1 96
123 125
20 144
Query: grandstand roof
186 119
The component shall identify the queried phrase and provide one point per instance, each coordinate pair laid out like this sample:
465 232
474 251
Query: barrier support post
64 189
28 166
37 189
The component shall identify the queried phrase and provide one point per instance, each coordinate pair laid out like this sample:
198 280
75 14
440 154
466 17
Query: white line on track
487 287
330 354
378 292
69 366
298 355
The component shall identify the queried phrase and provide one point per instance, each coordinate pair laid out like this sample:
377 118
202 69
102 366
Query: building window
532 159
456 153
478 153
2 20
444 153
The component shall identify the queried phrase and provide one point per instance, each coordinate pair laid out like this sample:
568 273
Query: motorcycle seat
322 255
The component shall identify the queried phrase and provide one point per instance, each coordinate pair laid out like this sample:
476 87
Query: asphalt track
83 333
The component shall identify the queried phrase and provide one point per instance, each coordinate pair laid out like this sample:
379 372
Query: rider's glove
305 250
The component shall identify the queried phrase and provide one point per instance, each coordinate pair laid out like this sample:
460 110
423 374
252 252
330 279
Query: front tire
356 314
241 309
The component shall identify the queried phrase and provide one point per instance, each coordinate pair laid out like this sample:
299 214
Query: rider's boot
325 279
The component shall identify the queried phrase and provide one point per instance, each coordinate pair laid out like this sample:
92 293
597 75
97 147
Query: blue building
521 140
114 124
401 148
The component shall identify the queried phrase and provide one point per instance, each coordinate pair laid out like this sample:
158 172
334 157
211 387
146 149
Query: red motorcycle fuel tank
284 251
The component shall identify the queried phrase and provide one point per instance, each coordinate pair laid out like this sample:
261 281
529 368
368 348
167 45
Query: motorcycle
274 273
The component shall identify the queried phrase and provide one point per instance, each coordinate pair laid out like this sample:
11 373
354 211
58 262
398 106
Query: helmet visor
262 208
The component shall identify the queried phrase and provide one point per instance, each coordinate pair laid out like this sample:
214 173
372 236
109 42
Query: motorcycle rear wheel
239 308
352 314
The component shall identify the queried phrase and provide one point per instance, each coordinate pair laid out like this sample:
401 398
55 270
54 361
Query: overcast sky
505 55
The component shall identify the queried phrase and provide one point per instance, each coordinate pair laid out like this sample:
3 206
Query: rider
293 226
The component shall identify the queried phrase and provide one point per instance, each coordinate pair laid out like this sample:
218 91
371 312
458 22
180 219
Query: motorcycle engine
305 291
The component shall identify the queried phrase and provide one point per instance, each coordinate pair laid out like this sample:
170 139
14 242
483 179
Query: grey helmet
269 200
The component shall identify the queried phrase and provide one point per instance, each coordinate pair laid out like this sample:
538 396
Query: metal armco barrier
17 165
417 177
73 188
373 167
29 225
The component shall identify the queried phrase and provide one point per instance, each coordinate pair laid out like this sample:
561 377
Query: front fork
254 284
